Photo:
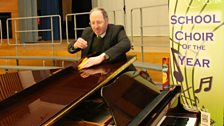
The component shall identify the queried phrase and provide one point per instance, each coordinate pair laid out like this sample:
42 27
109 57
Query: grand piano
45 97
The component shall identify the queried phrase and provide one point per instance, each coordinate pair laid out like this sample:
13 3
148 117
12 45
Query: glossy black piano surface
45 96
128 96
134 101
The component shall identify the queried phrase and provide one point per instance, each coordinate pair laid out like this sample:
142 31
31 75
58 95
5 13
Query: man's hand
91 61
80 43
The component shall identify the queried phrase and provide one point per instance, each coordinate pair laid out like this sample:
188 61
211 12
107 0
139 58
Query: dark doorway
3 18
79 6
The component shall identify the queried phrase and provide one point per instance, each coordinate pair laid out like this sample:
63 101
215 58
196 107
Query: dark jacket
116 43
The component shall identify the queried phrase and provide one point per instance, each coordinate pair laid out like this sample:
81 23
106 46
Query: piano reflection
134 101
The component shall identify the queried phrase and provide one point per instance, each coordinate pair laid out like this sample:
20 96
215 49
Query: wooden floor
154 48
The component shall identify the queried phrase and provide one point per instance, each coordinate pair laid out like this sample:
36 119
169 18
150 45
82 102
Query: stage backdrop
196 53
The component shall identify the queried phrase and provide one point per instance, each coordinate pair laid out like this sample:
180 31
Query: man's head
98 20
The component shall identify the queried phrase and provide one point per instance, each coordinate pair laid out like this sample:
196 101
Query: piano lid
47 101
129 95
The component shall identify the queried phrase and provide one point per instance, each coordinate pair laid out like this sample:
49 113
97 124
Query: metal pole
75 26
52 38
16 37
124 8
132 37
141 27
114 17
60 28
66 26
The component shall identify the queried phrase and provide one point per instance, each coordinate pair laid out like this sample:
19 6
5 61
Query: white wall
156 16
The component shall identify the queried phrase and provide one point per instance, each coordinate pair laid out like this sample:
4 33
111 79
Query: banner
196 54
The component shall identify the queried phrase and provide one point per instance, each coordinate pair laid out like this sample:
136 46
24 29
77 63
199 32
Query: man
108 40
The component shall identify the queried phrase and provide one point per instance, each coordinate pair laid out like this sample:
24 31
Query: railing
114 15
46 59
16 20
33 29
74 22
75 29
142 26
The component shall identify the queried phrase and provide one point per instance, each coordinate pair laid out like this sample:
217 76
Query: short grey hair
105 15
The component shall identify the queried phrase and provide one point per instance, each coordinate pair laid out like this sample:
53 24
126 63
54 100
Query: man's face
98 23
